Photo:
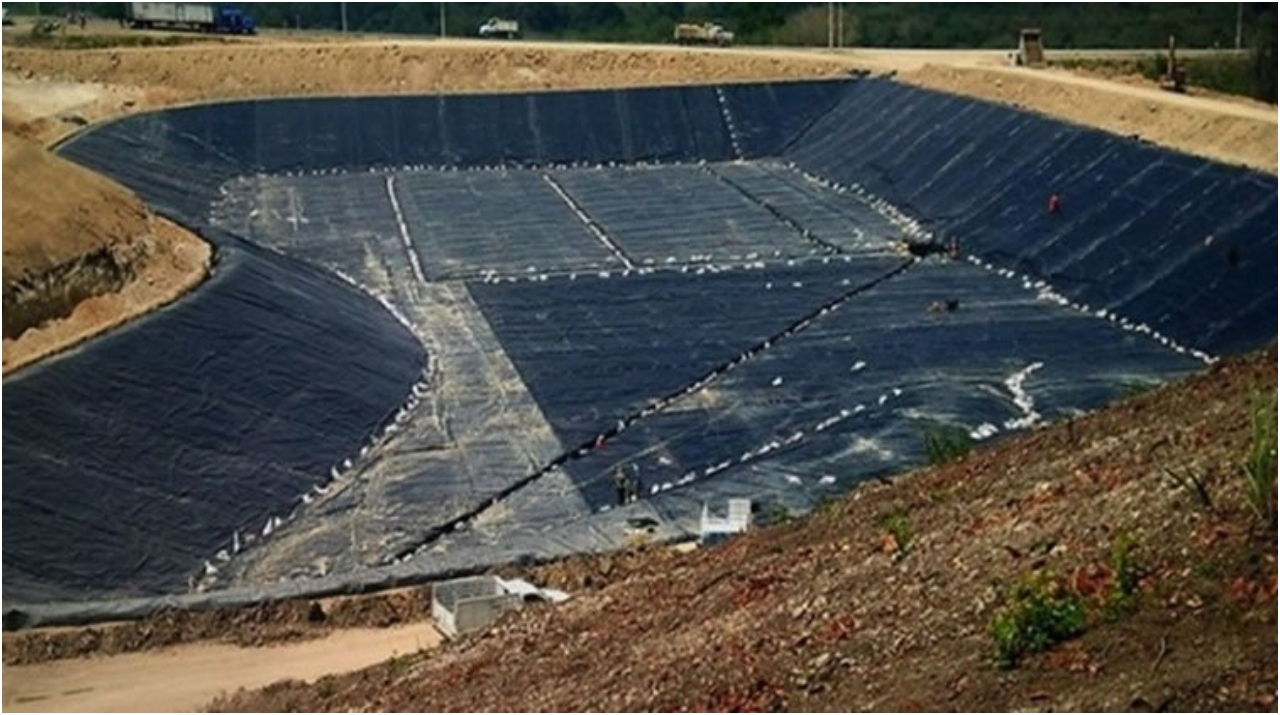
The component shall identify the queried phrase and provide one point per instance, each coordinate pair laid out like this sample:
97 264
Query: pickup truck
496 27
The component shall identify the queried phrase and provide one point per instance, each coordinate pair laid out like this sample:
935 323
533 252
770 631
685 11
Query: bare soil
838 612
183 678
82 255
202 72
1234 131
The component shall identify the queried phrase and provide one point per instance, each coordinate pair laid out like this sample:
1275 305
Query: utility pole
1239 23
831 28
442 30
344 17
840 24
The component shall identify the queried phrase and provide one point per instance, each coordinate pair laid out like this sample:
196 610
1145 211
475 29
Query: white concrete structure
468 604
716 529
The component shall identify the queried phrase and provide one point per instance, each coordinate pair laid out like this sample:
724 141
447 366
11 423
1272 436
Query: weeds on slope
945 442
1259 466
1040 612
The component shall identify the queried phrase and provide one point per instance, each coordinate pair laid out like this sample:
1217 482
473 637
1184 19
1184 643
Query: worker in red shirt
1055 204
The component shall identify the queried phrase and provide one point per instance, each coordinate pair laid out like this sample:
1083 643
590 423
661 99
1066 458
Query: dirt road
1245 110
186 678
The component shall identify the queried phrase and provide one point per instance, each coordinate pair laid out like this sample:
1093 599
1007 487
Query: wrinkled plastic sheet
131 460
1182 244
720 327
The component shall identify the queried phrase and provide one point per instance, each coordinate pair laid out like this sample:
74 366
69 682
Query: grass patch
1259 466
945 442
75 40
1039 613
778 514
1124 565
827 502
398 665
1185 476
899 528
1134 388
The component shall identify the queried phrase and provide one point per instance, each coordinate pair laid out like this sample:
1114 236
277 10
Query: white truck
496 27
708 33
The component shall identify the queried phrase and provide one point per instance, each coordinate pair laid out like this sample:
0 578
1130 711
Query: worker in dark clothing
634 483
1055 204
621 485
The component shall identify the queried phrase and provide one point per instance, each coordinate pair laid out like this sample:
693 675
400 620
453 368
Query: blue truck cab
234 21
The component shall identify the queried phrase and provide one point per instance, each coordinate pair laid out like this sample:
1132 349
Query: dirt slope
56 211
382 67
883 601
81 254
1235 131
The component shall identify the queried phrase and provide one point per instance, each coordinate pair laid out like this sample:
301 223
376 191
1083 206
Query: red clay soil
884 600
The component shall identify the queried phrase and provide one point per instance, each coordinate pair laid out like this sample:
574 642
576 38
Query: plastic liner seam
592 225
582 450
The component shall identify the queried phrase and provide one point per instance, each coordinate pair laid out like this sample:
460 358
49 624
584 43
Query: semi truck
708 33
496 27
198 17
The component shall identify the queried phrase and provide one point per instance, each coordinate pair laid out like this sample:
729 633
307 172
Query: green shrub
1134 388
1039 613
1260 463
896 524
778 514
945 443
1125 567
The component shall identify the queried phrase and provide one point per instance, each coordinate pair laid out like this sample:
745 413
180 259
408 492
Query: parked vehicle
496 27
198 17
708 33
1030 48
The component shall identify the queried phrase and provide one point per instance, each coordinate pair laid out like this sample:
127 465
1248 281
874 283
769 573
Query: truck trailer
194 16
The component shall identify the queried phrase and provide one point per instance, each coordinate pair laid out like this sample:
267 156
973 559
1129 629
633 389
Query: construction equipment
46 27
497 27
1030 48
1174 78
708 33
199 17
